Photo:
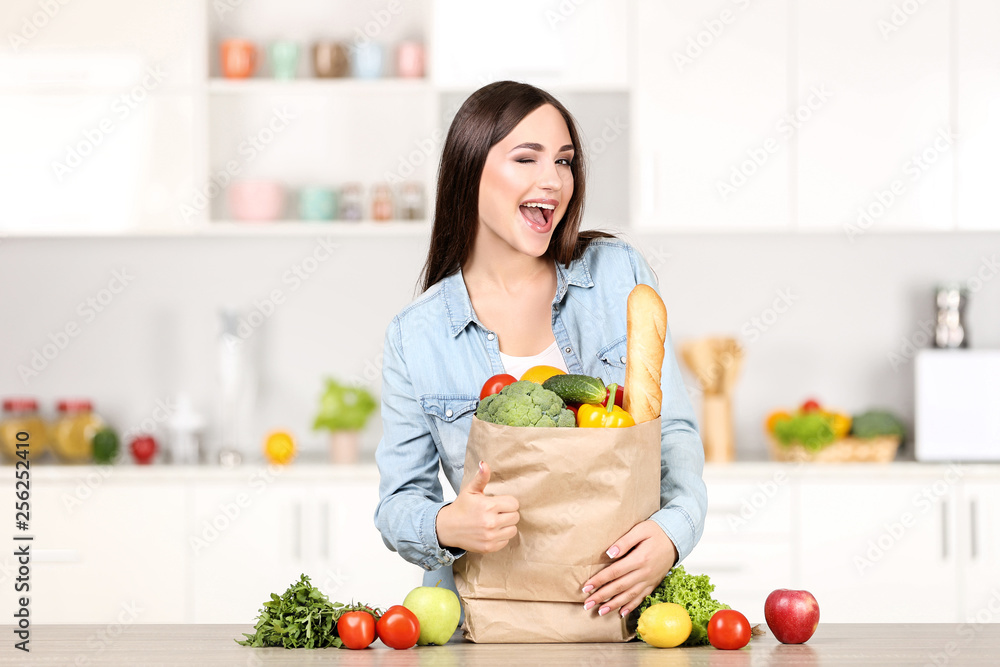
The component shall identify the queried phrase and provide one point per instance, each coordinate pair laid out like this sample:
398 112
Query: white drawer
761 506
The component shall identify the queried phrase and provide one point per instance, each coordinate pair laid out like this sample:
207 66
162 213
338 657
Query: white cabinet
748 539
565 44
978 113
104 551
877 151
979 547
712 139
249 539
135 545
351 554
244 540
880 550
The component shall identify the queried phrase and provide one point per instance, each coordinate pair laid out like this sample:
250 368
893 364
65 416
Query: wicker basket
846 450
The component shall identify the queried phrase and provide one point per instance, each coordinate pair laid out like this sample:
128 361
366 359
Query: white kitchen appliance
957 405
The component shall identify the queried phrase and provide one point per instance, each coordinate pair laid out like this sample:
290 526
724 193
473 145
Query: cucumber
577 388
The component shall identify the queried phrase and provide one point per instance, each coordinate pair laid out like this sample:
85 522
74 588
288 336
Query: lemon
540 374
664 625
279 447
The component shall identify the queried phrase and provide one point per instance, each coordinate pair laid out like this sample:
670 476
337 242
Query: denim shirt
437 357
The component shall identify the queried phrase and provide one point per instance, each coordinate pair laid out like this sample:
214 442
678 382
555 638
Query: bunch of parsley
303 617
694 593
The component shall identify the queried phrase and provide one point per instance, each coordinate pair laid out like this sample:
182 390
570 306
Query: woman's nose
549 179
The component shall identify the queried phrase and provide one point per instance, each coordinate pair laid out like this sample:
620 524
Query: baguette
647 331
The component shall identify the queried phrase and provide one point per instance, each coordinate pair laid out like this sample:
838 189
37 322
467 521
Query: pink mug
410 60
239 58
256 200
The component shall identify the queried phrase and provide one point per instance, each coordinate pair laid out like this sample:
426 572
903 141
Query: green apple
438 611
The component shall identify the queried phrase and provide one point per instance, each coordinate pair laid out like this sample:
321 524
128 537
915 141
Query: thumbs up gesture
476 521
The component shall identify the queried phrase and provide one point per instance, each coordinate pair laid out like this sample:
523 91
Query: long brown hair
483 120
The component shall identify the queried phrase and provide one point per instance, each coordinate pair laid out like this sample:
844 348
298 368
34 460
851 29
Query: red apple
791 615
143 448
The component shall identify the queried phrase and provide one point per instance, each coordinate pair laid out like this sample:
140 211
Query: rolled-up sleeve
683 495
410 494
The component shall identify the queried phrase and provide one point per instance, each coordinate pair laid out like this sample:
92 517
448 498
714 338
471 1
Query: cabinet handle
972 529
325 530
944 530
297 531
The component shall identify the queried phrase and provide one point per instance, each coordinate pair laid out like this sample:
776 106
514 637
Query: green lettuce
694 593
343 408
812 430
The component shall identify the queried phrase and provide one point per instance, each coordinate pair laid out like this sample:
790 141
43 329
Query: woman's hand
475 521
644 557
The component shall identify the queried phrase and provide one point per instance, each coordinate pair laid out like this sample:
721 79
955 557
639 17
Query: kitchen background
802 176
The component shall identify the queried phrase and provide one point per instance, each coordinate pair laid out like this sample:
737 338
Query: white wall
853 306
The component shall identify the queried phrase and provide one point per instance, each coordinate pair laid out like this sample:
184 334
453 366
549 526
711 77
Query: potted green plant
344 411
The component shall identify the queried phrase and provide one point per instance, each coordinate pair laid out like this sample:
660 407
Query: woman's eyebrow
539 147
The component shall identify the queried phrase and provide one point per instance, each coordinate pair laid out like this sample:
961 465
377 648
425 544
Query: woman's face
527 182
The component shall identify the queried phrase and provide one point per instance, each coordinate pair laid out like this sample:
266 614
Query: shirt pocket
450 417
612 360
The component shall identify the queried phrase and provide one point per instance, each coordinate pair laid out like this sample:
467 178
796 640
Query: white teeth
539 205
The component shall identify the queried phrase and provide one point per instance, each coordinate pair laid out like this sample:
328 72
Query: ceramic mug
329 60
367 60
410 60
284 58
316 203
256 200
239 58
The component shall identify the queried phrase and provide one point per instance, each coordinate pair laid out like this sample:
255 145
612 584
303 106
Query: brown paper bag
579 490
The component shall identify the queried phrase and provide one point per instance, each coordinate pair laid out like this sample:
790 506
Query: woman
510 282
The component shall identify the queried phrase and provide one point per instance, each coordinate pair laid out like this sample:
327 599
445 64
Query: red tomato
495 384
398 628
619 397
812 405
356 629
728 629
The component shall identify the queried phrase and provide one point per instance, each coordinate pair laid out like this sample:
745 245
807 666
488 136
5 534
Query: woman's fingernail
589 605
624 612
603 610
481 469
588 588
612 552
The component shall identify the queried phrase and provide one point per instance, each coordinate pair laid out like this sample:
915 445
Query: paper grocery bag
579 490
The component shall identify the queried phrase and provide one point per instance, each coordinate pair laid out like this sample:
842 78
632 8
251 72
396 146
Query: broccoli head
525 403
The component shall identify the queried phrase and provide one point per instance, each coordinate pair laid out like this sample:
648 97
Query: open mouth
538 215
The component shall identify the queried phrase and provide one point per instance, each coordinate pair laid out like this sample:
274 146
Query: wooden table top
137 645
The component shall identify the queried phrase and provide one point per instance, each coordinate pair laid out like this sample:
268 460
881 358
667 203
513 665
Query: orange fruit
774 418
540 374
279 447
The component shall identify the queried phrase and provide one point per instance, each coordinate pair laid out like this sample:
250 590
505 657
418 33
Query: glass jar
74 430
411 205
382 202
21 415
350 202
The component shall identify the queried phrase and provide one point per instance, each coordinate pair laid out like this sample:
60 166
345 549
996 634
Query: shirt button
490 336
623 360
569 350
448 413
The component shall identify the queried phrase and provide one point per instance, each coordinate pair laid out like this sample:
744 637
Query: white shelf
362 228
346 86
278 228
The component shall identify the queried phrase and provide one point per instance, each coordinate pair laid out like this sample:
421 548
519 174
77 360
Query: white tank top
550 356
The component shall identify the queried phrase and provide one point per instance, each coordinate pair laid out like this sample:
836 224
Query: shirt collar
459 305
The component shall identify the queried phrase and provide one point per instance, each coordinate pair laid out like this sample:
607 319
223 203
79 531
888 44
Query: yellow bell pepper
598 416
840 422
